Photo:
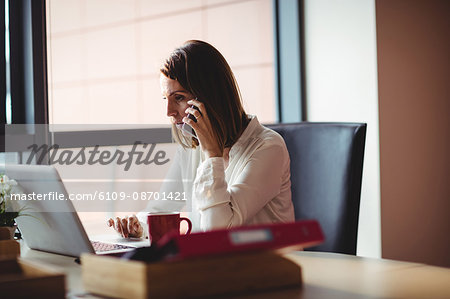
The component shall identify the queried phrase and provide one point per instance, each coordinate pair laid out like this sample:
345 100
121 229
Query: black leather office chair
326 172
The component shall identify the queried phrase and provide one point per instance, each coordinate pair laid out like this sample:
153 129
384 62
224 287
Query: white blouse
254 188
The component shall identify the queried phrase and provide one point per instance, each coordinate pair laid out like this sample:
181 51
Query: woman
240 169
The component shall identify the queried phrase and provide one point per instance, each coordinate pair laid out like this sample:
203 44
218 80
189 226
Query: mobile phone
186 129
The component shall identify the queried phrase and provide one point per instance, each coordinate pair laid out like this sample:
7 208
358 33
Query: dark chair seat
326 173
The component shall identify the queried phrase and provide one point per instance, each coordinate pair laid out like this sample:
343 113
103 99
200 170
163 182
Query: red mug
160 224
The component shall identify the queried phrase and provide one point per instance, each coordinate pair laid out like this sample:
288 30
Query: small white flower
6 184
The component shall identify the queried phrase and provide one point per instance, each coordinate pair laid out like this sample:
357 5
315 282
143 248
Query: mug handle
189 224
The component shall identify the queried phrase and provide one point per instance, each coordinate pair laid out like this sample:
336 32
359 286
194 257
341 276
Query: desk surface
325 275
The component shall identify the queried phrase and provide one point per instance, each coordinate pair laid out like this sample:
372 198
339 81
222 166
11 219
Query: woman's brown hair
204 72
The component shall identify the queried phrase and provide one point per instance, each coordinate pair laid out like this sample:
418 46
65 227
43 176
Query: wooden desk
325 275
328 275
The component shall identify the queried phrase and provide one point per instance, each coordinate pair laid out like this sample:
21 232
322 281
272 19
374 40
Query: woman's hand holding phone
188 131
203 129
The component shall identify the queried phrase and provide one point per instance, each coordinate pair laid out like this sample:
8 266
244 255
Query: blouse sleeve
222 205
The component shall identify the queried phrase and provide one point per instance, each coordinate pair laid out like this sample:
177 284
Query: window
104 56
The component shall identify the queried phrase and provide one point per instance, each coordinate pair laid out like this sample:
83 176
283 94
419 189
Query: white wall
341 85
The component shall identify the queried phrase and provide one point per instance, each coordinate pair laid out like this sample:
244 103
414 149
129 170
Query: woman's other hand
203 129
127 227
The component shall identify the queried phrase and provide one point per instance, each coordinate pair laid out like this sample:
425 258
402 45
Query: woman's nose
171 111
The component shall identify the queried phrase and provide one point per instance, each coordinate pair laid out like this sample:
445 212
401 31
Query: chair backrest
326 173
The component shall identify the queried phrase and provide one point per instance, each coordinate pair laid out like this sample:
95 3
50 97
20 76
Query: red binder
279 237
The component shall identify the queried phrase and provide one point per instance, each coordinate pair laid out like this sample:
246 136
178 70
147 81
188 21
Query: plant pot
7 232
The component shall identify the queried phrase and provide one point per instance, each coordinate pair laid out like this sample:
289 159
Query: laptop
59 229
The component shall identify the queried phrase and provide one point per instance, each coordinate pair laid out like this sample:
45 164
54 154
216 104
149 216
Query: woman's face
176 97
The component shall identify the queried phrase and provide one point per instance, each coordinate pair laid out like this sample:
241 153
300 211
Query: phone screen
187 130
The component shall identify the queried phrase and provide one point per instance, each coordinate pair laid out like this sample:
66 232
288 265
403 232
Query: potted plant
7 218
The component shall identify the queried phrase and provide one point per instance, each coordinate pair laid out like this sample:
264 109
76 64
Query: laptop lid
54 226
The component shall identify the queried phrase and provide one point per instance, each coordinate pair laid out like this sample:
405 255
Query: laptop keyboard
101 247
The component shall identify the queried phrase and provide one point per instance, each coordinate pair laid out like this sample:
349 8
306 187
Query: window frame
289 60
